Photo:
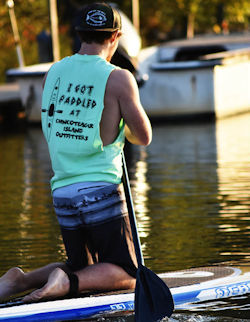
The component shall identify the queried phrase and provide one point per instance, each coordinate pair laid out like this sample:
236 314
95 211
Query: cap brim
79 28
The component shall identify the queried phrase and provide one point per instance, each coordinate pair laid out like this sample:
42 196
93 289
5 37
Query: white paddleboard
187 286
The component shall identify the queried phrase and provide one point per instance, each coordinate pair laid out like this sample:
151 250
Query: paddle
153 299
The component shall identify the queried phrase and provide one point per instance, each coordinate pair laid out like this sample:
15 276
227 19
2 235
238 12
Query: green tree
237 13
185 18
32 18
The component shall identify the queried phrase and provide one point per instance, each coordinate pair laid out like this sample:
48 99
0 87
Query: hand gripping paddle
153 299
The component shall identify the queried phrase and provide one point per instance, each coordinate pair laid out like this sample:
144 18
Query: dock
9 92
11 109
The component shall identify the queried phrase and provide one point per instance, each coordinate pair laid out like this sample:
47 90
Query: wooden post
136 15
190 25
54 30
10 4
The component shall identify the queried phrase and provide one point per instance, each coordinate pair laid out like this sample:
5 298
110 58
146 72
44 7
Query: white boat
205 76
201 76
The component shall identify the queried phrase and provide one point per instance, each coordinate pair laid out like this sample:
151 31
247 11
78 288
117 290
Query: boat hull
216 83
178 93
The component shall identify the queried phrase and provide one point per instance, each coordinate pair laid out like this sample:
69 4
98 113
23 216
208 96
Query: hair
98 37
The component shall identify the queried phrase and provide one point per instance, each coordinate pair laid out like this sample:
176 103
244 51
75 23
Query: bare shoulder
121 80
121 74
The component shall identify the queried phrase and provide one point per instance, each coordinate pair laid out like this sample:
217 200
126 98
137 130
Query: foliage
160 20
32 18
163 20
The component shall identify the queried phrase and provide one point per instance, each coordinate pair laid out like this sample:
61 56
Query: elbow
143 137
147 139
147 135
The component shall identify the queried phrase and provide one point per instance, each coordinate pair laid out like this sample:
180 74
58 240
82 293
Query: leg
104 276
74 241
112 242
73 234
16 281
109 243
101 276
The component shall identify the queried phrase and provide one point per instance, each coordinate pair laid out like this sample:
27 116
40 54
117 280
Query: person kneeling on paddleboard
89 106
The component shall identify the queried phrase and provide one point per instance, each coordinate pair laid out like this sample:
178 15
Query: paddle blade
153 299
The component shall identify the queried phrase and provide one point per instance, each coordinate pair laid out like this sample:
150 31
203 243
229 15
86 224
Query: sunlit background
191 186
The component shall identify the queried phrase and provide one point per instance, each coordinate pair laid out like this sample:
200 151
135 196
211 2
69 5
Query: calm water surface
191 191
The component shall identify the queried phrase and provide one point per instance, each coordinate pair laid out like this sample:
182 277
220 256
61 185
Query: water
191 191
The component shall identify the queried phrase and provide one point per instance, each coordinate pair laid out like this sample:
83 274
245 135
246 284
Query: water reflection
29 234
197 194
233 137
183 189
140 191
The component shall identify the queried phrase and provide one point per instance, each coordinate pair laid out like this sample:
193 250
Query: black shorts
95 227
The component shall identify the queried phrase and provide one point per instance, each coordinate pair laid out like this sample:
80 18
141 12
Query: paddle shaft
153 299
131 212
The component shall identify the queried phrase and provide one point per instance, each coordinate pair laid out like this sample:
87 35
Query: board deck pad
182 278
196 275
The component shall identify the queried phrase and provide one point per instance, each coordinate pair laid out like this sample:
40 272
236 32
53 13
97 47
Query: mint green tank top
72 106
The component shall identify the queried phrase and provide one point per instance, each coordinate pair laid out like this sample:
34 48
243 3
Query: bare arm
138 128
